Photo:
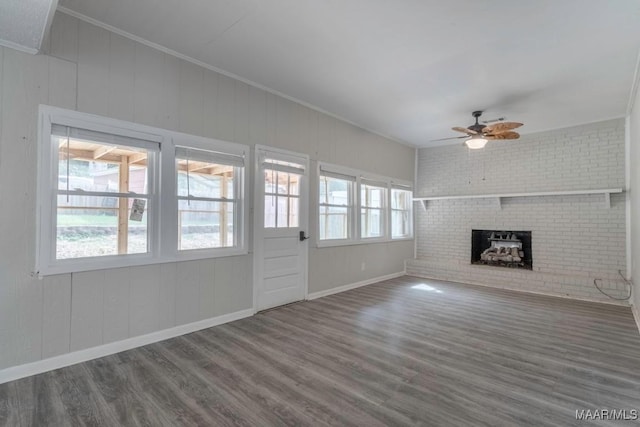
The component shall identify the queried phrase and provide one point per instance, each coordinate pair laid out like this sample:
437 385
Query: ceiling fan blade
503 135
446 139
501 127
464 130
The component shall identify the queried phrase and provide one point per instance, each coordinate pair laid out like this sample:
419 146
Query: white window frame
162 202
351 178
355 226
384 209
240 182
395 185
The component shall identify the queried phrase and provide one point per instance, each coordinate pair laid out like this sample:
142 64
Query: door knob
303 237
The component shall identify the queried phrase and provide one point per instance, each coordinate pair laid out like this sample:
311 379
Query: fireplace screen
501 248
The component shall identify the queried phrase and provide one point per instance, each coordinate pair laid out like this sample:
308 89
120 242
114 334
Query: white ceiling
24 23
409 69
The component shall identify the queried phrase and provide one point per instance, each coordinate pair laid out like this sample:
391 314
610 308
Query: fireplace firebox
500 248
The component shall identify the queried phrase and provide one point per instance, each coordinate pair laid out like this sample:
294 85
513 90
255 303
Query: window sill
401 239
112 262
335 243
196 254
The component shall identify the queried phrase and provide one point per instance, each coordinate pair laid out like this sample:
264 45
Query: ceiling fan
478 135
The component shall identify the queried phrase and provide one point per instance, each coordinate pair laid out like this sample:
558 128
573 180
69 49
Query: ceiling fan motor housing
477 126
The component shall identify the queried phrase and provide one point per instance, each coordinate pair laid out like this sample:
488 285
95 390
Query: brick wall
575 239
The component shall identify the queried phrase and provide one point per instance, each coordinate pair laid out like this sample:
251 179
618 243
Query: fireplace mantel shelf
606 191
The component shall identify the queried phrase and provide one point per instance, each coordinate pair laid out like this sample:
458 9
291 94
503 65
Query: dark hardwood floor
407 351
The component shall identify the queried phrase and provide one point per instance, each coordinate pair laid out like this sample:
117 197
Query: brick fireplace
578 238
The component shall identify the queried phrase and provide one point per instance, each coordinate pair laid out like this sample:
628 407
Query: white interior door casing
281 213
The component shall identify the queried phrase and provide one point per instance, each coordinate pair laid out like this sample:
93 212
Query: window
401 209
372 197
102 195
114 194
356 207
336 206
282 193
207 203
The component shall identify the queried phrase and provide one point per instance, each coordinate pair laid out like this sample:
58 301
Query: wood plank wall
95 71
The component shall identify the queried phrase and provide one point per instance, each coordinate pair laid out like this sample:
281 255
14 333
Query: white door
281 223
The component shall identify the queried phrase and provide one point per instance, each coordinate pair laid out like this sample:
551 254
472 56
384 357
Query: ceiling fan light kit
476 142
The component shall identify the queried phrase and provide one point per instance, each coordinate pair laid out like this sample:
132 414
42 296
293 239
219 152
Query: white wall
634 134
575 239
95 71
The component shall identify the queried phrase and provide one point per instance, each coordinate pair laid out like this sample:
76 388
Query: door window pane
283 212
294 204
269 211
294 184
282 201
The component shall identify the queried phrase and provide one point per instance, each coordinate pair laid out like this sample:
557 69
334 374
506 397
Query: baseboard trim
636 315
56 362
344 288
524 291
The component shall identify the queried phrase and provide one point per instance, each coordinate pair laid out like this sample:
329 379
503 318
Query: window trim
355 226
384 209
401 187
351 207
163 197
241 240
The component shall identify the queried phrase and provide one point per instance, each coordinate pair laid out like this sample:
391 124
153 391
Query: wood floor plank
406 351
301 382
126 398
253 383
238 381
9 406
40 400
62 397
162 384
413 365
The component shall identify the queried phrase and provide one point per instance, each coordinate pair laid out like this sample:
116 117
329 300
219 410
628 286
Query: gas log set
502 248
